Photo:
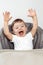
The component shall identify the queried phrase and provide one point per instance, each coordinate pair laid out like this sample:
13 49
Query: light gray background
18 9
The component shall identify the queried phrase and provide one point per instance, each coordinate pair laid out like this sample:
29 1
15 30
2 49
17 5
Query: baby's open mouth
21 33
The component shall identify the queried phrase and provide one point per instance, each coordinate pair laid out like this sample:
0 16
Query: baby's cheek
16 31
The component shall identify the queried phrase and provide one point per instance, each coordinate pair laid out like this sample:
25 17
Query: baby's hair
17 21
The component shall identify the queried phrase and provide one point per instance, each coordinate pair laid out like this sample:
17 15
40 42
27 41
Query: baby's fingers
10 18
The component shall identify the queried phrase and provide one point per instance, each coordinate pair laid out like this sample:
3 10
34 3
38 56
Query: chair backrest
5 42
38 39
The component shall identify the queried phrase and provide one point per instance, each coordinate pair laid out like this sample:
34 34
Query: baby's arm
6 29
32 13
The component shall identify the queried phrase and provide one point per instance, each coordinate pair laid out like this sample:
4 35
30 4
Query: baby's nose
20 27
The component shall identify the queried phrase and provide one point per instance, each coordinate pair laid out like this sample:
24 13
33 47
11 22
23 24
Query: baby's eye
22 26
16 27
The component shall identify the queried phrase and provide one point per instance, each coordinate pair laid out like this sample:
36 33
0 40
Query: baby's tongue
21 33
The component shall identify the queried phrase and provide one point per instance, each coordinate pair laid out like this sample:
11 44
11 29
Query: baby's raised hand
32 13
6 16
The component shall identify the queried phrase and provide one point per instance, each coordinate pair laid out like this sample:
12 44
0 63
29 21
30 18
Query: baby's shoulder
29 35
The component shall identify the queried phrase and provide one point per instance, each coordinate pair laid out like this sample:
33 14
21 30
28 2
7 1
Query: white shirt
23 43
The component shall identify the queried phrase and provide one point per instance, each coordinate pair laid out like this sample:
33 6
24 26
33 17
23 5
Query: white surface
18 9
34 57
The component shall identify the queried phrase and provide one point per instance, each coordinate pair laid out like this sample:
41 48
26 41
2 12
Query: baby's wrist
6 22
34 17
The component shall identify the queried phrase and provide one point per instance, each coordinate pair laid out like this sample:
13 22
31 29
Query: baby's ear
12 32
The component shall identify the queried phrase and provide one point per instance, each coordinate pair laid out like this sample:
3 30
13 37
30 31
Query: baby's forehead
19 23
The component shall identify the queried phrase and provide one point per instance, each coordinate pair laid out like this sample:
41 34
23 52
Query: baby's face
19 29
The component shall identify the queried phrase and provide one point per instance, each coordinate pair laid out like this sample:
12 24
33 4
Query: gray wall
18 9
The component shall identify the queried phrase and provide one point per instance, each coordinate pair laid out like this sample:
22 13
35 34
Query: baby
22 41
